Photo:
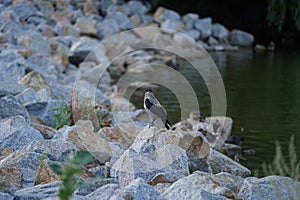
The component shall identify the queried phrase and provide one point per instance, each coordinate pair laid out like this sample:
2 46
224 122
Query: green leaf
82 158
56 168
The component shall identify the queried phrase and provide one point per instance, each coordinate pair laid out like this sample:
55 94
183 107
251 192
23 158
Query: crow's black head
149 90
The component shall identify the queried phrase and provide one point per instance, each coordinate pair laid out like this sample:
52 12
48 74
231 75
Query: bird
155 111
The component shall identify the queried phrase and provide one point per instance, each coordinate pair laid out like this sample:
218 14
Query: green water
263 99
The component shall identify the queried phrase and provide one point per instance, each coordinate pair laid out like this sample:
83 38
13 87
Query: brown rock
90 8
12 178
35 80
158 13
125 133
63 16
46 131
4 152
46 174
86 27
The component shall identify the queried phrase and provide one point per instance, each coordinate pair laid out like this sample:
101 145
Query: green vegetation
62 116
68 174
279 9
279 166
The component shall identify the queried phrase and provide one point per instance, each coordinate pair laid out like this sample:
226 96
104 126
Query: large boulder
241 38
27 162
200 185
204 26
219 31
163 14
221 163
270 187
11 179
10 107
16 133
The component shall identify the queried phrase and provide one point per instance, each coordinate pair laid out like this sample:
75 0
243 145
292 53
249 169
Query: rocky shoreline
50 71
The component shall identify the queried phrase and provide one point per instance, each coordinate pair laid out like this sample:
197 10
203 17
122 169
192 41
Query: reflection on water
263 98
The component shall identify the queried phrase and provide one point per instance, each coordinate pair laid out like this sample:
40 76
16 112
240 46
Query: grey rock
42 191
17 133
135 20
241 38
204 26
198 185
105 192
121 19
142 191
95 185
270 187
66 29
27 96
22 11
10 86
117 150
45 110
194 34
118 8
27 162
108 27
5 196
146 19
219 31
221 163
163 14
10 107
212 41
87 26
138 7
82 49
189 20
145 158
56 150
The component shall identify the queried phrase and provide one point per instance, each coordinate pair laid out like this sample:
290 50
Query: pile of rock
50 55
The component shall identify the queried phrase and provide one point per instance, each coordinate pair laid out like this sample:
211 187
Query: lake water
263 99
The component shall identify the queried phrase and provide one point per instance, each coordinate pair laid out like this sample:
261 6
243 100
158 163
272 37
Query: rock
121 20
270 187
107 28
241 38
21 11
105 192
259 47
189 20
11 179
10 86
194 34
16 133
148 156
135 20
198 185
140 190
46 131
117 150
56 150
138 7
86 49
87 26
10 107
34 41
212 41
162 14
183 40
65 29
169 26
219 31
41 191
27 162
204 26
90 8
125 133
4 152
221 163
96 185
86 140
46 174
36 81
5 196
27 96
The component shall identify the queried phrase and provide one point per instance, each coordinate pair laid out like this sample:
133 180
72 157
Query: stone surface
86 140
105 192
21 11
87 26
162 14
221 163
35 80
241 38
5 196
41 191
27 162
10 107
16 133
198 185
270 187
56 150
12 178
219 31
46 174
194 34
204 26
